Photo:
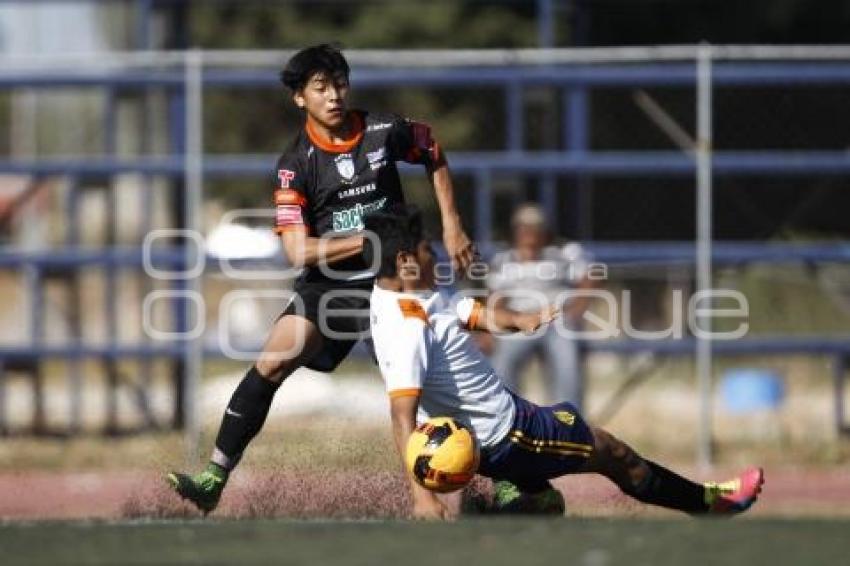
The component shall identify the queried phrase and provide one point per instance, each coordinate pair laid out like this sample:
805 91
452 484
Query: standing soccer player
340 167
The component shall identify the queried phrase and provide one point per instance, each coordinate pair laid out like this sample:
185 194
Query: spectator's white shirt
532 285
423 346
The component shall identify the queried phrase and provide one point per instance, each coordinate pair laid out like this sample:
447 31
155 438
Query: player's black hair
399 229
325 58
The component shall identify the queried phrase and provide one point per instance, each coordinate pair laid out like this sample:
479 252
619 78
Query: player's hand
460 248
531 322
430 509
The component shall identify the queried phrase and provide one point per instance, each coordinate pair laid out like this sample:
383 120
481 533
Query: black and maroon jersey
327 189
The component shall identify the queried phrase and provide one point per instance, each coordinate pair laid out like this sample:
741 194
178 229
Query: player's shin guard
668 489
244 417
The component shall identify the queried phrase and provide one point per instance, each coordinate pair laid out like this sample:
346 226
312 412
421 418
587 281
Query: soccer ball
442 454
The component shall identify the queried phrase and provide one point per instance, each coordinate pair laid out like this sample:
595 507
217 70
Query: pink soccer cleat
734 496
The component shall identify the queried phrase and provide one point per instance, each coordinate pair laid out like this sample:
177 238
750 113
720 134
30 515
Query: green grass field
518 542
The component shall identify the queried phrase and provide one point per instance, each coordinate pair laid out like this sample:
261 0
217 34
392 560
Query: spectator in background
529 272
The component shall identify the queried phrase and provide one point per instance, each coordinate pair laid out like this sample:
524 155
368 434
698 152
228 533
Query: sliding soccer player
431 365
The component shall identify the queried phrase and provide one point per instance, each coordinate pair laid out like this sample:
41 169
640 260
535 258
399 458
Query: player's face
425 257
323 97
529 236
417 269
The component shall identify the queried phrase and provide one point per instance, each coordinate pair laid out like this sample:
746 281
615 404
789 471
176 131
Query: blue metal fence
575 159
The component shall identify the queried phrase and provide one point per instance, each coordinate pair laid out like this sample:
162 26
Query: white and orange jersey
424 348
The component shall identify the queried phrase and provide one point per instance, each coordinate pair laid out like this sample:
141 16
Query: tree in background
467 119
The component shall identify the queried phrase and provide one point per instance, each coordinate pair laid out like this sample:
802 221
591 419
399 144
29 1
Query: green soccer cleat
203 490
507 498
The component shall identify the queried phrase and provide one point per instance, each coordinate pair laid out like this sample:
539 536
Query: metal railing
185 76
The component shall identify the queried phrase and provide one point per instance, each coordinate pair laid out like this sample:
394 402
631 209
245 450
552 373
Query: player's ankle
716 490
220 472
711 493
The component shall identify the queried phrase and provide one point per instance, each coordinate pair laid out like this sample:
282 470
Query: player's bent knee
272 370
602 443
276 368
611 456
292 342
610 446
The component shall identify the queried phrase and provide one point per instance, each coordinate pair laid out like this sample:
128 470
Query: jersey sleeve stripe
406 392
291 228
475 316
289 196
410 308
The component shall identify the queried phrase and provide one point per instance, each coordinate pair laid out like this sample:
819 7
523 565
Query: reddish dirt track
112 495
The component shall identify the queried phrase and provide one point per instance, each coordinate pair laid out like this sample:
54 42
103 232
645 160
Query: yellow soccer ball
442 454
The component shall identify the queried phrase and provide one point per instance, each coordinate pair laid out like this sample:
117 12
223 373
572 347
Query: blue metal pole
111 292
35 286
176 120
576 128
35 289
145 283
72 213
576 119
4 427
626 75
177 141
704 236
483 206
144 13
515 117
146 147
545 23
839 372
72 240
548 197
576 125
515 121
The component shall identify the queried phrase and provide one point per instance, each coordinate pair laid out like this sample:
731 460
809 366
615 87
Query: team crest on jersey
377 158
565 417
345 166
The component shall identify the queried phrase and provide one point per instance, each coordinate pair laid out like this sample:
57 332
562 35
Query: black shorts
339 309
544 443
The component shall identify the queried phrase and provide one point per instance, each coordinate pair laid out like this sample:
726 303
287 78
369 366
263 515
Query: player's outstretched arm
303 250
425 503
460 248
495 318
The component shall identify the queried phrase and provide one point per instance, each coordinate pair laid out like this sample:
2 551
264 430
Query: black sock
668 489
246 412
